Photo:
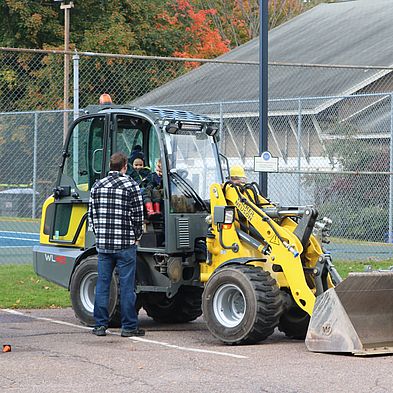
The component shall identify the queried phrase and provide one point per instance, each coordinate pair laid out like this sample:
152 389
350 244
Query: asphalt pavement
52 352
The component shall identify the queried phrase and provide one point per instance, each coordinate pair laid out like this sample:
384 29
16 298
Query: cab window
154 148
129 134
85 151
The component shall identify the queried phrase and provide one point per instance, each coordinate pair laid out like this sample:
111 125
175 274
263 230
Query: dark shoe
99 331
132 333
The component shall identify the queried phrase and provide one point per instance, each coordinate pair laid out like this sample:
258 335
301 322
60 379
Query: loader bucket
354 317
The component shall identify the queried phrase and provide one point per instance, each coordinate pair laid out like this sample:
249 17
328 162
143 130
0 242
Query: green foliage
357 154
117 26
130 26
346 267
121 26
367 223
112 36
29 24
20 287
357 203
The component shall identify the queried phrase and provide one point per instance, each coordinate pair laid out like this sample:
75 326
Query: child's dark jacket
143 177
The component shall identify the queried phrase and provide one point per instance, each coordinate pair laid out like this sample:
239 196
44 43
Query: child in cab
154 188
142 175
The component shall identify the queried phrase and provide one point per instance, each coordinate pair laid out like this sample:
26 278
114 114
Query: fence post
75 140
75 60
222 143
33 208
391 170
299 147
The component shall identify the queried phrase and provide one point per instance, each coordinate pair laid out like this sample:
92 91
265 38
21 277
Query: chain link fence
331 128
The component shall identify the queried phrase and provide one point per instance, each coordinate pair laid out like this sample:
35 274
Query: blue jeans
125 261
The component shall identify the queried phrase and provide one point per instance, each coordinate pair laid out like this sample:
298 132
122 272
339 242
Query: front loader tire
241 304
82 293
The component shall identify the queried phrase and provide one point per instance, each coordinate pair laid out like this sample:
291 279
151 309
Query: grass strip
346 267
21 288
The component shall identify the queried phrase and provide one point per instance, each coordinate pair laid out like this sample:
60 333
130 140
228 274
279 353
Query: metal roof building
356 32
301 98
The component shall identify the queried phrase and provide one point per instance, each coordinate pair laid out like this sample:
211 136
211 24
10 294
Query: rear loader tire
294 322
241 304
82 293
185 306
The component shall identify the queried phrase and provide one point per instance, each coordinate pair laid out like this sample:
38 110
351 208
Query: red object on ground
6 348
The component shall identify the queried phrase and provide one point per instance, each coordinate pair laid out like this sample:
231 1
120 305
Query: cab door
83 163
128 132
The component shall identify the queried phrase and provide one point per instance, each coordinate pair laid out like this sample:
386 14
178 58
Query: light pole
263 85
66 6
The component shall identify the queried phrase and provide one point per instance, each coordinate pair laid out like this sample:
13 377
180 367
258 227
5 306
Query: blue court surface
18 239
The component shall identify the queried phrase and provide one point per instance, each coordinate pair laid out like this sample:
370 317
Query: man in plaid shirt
116 216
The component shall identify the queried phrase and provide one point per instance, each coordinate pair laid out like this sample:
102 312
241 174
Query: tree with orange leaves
238 20
195 30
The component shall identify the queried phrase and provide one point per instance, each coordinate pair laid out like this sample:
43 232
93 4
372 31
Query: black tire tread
269 304
185 306
294 322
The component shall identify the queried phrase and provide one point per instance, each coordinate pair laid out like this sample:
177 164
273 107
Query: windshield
193 167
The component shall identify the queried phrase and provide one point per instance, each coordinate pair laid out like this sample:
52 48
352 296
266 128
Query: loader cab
93 139
190 163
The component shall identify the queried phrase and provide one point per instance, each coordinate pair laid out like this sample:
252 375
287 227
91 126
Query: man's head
118 162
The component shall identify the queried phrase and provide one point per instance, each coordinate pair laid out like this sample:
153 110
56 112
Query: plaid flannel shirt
116 212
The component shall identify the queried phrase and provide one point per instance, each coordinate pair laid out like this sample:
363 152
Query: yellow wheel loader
251 265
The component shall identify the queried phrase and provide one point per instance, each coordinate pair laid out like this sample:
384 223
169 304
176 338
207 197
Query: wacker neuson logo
56 259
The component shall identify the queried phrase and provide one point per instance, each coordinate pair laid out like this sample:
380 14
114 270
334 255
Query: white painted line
188 348
44 319
140 339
